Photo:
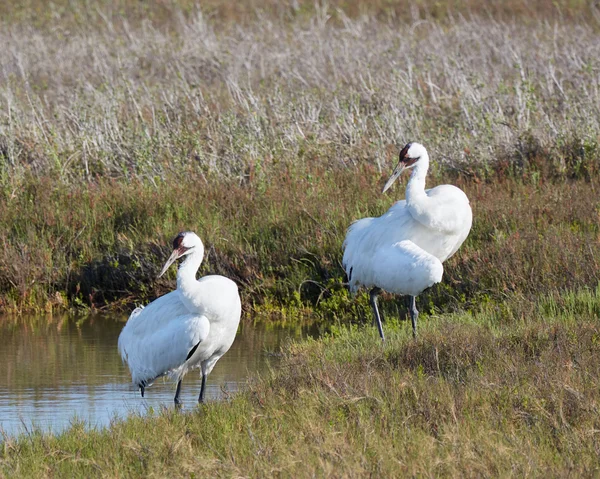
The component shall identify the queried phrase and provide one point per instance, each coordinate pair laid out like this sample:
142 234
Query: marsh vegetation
268 127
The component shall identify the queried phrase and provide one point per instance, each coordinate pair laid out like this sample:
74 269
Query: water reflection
55 369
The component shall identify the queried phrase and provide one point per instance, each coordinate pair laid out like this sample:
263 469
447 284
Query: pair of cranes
401 251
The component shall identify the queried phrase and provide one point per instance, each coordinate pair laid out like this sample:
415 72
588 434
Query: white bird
402 251
188 328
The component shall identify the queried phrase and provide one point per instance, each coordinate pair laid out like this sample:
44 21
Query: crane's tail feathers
143 384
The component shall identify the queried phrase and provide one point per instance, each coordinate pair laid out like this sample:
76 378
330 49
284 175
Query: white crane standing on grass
188 328
403 250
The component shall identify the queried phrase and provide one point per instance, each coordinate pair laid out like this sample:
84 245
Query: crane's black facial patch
407 160
411 161
178 240
404 151
177 244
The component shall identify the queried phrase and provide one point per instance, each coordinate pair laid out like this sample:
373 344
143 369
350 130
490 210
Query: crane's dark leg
201 397
414 314
142 389
373 299
177 391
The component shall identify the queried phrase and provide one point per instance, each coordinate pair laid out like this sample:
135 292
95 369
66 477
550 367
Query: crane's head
409 157
184 243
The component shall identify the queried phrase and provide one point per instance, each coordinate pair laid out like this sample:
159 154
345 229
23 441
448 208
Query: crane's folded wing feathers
368 237
404 268
158 339
448 211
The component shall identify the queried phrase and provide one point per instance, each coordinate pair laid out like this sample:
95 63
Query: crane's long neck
186 274
415 190
193 295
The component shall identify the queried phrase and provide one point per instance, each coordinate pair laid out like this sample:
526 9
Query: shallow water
56 369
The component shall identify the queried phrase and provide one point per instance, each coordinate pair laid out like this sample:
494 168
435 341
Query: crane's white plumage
402 251
404 268
188 328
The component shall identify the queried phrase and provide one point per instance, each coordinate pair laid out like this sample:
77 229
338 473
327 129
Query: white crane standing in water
188 328
403 250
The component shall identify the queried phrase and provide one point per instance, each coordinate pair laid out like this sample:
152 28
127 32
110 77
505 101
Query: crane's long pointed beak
400 167
174 255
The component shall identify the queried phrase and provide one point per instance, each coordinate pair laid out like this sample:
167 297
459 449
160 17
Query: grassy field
267 128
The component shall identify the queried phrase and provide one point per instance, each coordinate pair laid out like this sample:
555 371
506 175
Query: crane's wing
159 339
448 210
404 268
365 237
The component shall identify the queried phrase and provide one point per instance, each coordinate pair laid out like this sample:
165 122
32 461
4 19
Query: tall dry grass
198 94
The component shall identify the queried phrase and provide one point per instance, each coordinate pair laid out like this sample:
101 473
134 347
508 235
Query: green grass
102 245
472 396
